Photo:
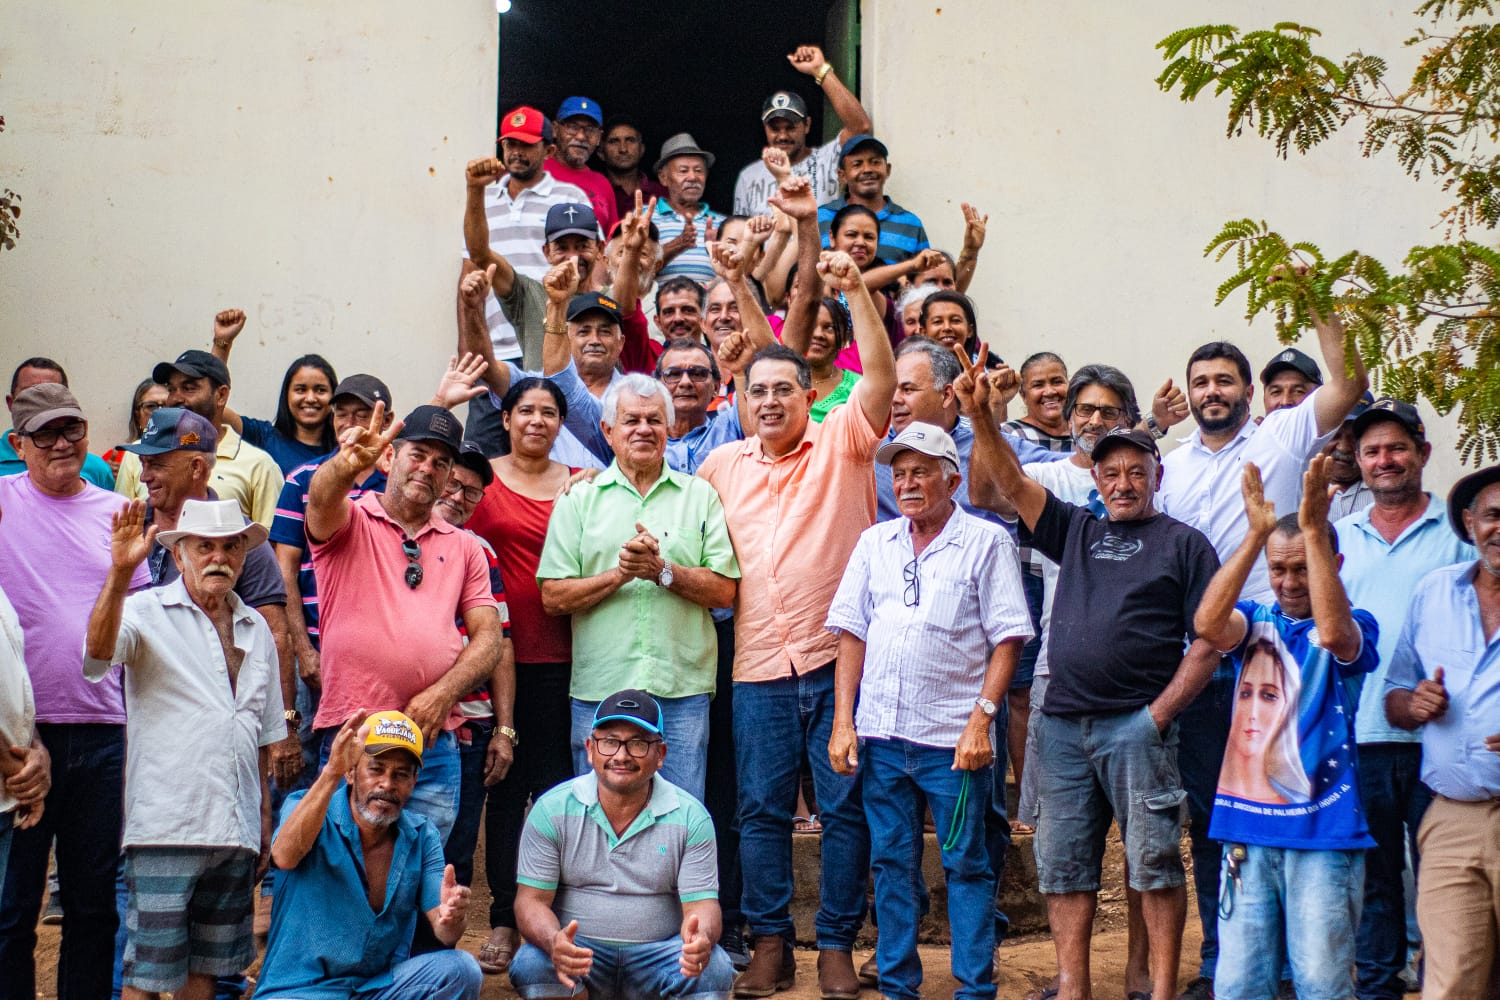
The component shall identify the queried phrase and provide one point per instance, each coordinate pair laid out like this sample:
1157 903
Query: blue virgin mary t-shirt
1289 777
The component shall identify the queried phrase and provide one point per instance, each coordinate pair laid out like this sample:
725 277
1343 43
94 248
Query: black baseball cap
1462 495
784 104
1121 436
591 301
471 457
366 388
631 705
194 364
433 423
1292 359
1394 410
570 217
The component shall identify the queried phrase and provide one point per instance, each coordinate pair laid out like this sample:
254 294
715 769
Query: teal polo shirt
95 469
641 636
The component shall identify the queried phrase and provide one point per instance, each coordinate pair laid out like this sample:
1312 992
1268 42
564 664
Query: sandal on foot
806 824
494 956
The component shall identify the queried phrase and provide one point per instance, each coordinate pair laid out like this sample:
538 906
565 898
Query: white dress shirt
192 775
17 709
1201 488
925 664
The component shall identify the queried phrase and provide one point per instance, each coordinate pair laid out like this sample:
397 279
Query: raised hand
926 260
483 172
794 196
1260 512
1316 497
1429 700
636 226
563 281
1004 382
360 447
758 229
974 225
735 353
453 902
348 745
1169 407
728 262
777 162
459 383
839 271
696 948
475 286
227 326
130 539
807 59
570 961
973 386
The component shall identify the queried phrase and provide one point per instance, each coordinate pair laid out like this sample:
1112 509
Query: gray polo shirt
626 889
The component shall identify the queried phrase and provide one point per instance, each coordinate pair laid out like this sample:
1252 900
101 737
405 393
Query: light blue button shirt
1444 629
1379 576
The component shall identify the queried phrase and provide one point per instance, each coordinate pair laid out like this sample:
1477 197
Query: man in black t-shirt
1107 744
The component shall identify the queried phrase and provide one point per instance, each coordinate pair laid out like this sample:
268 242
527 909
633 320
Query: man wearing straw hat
202 683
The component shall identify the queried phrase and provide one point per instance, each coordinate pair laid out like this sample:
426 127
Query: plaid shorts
190 910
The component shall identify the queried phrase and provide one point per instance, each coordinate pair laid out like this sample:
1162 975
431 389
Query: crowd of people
317 653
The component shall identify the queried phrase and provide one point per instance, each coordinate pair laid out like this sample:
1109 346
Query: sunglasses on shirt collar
413 553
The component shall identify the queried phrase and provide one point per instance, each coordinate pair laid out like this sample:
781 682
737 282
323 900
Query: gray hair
640 386
1110 378
917 293
945 367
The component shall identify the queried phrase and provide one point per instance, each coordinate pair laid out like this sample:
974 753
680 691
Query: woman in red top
513 517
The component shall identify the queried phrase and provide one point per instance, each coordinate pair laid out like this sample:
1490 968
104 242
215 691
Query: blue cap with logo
573 107
172 428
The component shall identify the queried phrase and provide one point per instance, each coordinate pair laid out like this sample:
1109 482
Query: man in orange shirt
796 497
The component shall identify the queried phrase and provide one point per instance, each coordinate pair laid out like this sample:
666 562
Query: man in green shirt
638 557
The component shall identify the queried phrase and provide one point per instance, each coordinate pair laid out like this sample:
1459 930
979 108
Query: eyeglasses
72 433
1108 413
150 407
696 373
760 392
472 494
912 598
413 552
587 128
636 747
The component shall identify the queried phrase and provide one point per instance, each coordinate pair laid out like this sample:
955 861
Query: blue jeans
1394 798
623 972
436 794
776 724
473 745
85 811
686 733
1203 729
1308 899
896 775
437 975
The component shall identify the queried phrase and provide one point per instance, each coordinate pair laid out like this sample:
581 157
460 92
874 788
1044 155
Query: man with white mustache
201 680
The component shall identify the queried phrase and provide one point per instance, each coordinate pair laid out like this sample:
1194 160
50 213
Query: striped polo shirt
625 889
902 235
692 262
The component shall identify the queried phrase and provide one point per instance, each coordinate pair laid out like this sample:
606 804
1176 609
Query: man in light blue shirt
1444 680
1397 540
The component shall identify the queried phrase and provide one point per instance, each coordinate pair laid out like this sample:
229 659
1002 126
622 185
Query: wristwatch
665 578
1155 429
987 707
293 720
509 734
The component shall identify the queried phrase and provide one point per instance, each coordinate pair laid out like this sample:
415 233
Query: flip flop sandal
494 958
806 824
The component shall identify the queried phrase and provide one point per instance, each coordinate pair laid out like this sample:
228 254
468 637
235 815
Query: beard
1239 411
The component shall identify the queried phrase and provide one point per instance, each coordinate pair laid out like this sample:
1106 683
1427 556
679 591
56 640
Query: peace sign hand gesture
360 447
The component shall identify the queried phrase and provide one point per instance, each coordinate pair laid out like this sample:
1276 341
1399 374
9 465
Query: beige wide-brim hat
214 519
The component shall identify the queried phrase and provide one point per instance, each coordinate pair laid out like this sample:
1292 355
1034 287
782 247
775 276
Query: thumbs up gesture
696 947
453 903
570 961
1430 699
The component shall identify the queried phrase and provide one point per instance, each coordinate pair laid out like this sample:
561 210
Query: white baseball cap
929 439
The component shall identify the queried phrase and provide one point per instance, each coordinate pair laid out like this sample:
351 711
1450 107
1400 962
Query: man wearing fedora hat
1442 681
202 682
683 218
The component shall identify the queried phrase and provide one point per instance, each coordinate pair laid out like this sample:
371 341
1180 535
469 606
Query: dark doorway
677 66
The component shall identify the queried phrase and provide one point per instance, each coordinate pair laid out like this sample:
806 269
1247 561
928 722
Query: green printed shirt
626 889
641 636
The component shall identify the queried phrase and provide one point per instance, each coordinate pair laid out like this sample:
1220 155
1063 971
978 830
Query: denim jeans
776 724
1394 797
436 794
543 759
473 746
85 811
623 972
896 775
686 733
1203 732
1310 900
721 785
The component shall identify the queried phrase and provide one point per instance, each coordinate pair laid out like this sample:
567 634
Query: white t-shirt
756 185
1070 484
17 710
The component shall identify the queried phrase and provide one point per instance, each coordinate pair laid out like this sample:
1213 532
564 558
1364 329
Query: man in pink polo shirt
796 496
392 578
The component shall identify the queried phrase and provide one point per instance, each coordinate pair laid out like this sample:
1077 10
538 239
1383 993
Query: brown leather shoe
773 967
837 979
869 973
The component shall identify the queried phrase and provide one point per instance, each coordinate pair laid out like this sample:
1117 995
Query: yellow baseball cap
393 731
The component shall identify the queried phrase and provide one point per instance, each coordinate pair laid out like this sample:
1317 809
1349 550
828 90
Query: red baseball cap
526 124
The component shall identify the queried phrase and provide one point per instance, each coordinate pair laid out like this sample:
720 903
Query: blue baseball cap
172 428
858 141
634 706
570 217
575 106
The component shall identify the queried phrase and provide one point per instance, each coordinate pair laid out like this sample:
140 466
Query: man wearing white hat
931 619
202 716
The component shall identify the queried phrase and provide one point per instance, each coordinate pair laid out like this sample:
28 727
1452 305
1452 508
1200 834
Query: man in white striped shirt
931 619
